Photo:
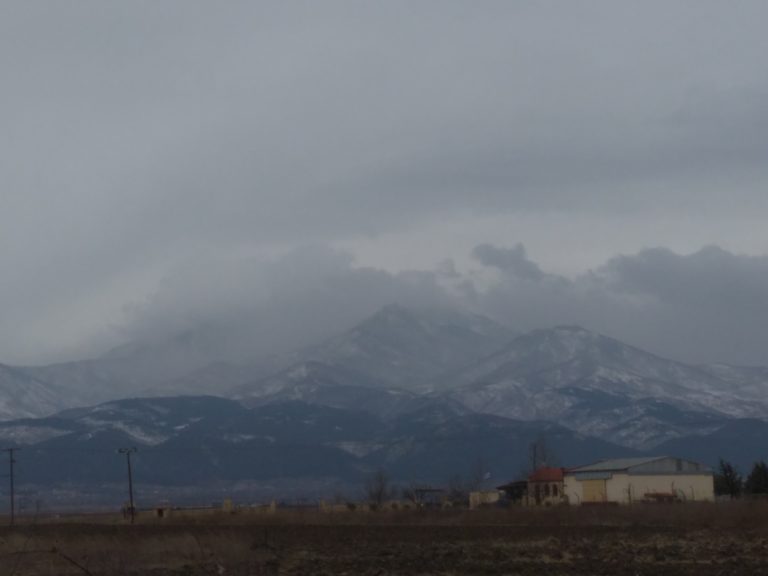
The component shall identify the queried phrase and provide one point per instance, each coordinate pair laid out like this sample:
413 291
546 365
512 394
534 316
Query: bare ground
719 539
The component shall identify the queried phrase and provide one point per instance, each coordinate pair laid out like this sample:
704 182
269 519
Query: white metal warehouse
649 479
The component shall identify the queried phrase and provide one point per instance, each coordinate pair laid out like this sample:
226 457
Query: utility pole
128 452
11 462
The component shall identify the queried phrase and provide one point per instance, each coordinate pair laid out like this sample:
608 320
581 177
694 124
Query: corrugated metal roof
616 464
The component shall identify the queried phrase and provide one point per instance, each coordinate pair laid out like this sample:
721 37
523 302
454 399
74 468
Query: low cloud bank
708 306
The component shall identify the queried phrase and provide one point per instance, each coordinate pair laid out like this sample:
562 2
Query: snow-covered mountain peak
430 321
590 351
405 347
23 395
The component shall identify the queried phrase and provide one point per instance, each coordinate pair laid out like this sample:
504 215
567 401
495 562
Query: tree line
730 482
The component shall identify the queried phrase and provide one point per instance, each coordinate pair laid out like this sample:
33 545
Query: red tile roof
547 474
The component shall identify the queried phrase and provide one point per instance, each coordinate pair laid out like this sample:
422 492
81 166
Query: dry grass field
670 540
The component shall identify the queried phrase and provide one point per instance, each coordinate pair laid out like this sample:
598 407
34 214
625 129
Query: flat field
727 539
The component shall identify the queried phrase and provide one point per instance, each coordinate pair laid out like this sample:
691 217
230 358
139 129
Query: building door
593 490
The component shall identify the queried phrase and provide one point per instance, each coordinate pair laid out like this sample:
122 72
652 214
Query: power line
11 462
128 452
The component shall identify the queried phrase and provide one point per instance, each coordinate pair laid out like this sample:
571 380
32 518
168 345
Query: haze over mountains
209 209
424 394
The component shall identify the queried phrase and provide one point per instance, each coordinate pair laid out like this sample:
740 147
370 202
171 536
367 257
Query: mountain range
424 394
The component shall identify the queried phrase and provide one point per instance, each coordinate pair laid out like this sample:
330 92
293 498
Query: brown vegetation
726 538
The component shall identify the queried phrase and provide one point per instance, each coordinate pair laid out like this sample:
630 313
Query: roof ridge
618 463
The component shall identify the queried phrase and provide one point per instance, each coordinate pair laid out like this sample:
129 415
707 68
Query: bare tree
410 493
477 475
378 488
458 493
540 454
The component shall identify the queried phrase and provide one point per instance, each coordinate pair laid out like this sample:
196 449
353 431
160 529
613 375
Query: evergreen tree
728 480
757 481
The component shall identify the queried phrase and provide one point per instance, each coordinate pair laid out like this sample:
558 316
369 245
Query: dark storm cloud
141 136
708 306
510 260
245 309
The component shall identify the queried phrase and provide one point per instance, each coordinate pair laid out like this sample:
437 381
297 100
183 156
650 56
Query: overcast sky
174 163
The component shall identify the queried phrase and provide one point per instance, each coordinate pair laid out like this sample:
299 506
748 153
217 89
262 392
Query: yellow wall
624 489
594 491
696 488
573 489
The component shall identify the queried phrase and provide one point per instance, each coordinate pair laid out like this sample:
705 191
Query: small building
514 491
545 487
163 511
631 480
484 499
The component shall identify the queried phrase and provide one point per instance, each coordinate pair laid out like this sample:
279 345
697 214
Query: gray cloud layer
243 309
139 137
709 306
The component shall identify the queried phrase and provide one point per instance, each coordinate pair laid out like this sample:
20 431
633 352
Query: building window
546 489
554 489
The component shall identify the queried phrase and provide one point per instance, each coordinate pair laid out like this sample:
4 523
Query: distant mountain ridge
206 441
590 383
24 395
397 350
406 348
600 386
402 362
208 445
396 345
